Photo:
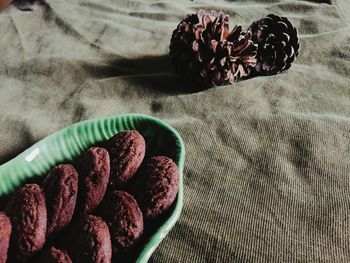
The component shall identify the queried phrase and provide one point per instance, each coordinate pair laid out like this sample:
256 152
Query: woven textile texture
267 172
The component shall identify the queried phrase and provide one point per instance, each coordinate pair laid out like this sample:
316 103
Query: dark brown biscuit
27 211
94 169
54 255
124 219
93 243
160 183
126 150
5 233
61 188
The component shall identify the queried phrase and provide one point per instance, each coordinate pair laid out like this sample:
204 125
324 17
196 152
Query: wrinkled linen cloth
267 172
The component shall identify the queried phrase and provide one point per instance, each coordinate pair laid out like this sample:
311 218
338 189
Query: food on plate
124 219
54 255
27 211
5 234
126 150
83 212
158 187
61 188
93 241
94 169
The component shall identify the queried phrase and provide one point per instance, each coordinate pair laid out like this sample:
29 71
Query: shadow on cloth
155 73
152 72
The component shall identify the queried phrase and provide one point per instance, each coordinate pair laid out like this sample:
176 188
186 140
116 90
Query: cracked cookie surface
5 234
61 188
126 150
94 169
27 210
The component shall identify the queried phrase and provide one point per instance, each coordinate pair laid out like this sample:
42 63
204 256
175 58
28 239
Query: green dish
70 142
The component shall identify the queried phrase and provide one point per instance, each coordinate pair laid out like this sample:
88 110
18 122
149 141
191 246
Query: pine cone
278 44
202 46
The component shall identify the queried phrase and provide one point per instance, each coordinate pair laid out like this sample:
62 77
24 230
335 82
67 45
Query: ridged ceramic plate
70 142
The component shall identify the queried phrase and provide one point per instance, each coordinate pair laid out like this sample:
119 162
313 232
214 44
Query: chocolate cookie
160 183
94 168
27 211
126 150
124 219
93 243
5 233
54 255
61 188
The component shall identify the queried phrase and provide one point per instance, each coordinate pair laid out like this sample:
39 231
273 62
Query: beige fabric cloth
268 159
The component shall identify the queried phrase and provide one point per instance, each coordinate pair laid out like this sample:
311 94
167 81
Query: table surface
267 166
